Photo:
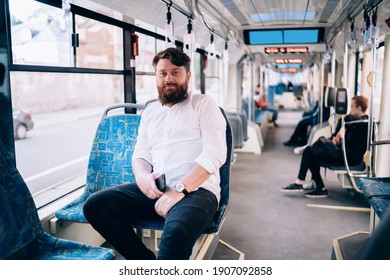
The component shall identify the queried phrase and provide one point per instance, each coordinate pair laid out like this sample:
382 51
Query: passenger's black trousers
309 162
112 211
299 135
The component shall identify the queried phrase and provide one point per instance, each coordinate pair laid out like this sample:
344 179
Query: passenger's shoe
272 124
323 193
292 188
299 150
309 186
290 143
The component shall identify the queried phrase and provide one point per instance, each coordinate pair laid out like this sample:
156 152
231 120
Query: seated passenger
265 106
290 86
355 142
183 136
309 119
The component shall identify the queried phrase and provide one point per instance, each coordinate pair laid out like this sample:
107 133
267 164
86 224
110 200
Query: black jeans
112 211
309 162
300 133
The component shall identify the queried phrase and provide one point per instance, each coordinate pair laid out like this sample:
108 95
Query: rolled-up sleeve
213 131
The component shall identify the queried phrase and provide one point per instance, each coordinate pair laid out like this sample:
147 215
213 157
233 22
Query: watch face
179 187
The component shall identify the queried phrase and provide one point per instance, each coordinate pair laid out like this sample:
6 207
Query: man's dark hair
176 56
361 101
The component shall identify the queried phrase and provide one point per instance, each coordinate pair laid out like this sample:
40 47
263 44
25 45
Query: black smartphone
160 183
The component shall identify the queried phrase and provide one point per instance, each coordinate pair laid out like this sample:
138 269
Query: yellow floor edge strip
241 254
335 207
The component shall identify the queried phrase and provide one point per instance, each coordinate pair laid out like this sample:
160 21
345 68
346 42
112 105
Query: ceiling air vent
328 10
233 9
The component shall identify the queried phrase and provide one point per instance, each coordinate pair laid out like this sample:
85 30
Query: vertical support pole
371 75
351 73
203 59
367 67
345 66
129 71
322 91
383 163
225 87
332 82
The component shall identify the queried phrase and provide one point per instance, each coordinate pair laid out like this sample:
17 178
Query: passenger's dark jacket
355 138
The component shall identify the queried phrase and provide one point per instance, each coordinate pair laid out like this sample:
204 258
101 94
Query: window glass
196 76
40 34
100 44
147 50
212 69
146 88
212 79
53 157
161 45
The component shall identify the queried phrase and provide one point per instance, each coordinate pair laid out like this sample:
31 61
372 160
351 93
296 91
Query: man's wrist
181 188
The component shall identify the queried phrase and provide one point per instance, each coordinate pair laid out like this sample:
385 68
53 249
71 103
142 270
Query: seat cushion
73 211
377 191
47 247
374 186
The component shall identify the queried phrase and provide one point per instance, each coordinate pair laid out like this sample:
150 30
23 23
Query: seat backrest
224 173
19 221
112 152
237 130
244 122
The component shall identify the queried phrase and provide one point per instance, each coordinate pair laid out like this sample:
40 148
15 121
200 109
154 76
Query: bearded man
182 136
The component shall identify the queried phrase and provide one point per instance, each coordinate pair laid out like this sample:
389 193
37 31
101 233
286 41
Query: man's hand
167 201
337 139
146 183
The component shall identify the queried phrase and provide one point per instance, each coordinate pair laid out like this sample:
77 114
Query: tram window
148 47
197 73
108 38
147 50
212 79
40 34
146 88
161 45
66 109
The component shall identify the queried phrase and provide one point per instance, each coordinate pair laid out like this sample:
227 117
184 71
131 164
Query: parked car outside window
22 123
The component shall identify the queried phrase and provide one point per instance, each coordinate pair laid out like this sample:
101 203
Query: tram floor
264 223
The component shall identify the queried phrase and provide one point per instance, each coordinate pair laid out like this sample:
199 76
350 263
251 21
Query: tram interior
262 222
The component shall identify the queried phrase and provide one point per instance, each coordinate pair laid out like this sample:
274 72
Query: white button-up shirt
173 139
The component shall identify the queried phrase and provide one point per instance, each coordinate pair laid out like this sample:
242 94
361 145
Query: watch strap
185 192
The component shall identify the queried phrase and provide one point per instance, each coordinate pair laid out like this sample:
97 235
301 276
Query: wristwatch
181 188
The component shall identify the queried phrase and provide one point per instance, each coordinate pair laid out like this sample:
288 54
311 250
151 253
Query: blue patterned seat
158 224
109 159
377 191
21 233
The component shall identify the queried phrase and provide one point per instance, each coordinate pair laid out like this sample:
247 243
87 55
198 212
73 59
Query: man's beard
173 94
